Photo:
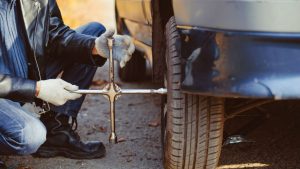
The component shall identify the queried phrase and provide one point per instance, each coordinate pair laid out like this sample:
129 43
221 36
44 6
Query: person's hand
123 47
56 91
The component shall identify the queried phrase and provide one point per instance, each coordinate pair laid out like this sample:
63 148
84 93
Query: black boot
62 140
2 165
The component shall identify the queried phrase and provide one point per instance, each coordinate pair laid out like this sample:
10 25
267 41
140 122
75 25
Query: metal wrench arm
102 92
112 91
143 91
125 91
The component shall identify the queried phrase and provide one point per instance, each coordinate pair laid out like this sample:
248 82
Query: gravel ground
277 138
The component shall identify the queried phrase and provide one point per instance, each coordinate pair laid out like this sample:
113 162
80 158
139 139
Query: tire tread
194 130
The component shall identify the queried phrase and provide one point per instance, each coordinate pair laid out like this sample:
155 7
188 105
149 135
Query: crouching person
35 47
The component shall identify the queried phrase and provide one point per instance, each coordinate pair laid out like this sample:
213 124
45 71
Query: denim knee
33 136
96 25
92 28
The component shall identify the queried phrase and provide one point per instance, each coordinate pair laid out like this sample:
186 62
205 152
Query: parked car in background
217 58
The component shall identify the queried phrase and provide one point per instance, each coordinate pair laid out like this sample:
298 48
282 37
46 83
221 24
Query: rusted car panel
140 32
131 10
240 15
136 19
142 35
148 10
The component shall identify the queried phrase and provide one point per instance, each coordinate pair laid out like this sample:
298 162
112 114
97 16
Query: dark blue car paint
241 64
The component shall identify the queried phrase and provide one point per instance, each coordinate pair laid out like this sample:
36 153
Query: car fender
241 65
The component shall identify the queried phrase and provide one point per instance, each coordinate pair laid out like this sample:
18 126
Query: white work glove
56 91
122 50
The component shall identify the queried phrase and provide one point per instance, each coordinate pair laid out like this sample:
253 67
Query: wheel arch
121 27
162 11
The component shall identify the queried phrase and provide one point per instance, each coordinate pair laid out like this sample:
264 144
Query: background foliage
79 12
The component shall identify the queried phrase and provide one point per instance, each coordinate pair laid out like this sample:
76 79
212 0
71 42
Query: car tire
135 69
193 131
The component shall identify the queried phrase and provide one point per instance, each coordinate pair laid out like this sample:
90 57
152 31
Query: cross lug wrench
112 91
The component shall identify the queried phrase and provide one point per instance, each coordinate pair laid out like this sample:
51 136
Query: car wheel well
120 25
162 11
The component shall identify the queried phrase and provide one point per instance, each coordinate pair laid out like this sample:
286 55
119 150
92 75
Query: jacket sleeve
65 42
17 89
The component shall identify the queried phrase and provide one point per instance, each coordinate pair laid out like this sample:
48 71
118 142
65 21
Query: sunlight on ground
248 165
79 12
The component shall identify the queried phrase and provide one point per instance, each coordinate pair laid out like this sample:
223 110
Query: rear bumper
240 15
243 65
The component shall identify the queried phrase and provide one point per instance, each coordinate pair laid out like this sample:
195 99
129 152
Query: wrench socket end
113 138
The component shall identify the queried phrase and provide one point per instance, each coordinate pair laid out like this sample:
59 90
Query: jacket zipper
47 28
37 4
45 106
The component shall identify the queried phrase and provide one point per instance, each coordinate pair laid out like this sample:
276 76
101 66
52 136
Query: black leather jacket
47 36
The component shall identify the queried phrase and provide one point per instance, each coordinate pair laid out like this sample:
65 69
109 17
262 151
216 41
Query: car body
247 26
214 56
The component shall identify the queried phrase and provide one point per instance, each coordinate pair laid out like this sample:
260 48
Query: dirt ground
276 136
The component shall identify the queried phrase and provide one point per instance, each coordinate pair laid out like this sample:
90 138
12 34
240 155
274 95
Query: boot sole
48 152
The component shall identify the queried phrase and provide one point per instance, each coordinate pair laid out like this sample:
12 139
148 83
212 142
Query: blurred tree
79 12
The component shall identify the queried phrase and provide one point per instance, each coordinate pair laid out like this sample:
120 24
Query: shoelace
72 128
74 123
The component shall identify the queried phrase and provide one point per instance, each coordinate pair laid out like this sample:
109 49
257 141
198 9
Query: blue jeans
21 133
